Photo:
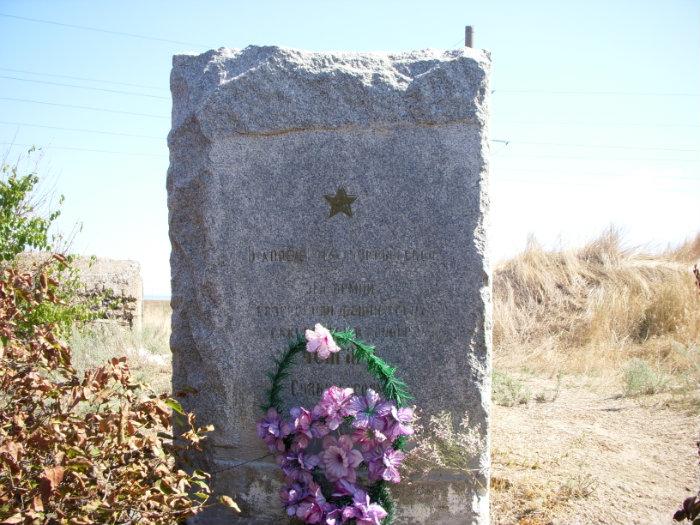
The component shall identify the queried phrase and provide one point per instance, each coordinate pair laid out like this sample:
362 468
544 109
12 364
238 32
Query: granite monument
348 189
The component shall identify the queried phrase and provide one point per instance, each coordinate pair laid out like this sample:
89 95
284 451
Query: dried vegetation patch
608 340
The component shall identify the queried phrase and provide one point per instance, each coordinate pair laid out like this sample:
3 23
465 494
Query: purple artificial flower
344 488
368 410
272 430
400 422
372 514
383 463
392 461
319 429
334 406
339 458
302 421
291 496
364 511
313 508
334 515
297 465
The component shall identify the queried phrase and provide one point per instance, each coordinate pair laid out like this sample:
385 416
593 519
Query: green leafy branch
393 387
284 364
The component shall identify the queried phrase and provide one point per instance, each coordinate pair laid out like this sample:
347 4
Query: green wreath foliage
393 388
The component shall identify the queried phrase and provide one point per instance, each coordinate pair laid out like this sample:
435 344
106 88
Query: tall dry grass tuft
597 306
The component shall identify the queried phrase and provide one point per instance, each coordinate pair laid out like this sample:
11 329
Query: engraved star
340 202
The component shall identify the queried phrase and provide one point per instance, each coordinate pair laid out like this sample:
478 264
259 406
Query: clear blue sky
598 100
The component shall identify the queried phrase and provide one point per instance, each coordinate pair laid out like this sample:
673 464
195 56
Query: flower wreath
361 437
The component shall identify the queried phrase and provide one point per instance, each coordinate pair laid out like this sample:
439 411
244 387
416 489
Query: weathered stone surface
347 189
115 283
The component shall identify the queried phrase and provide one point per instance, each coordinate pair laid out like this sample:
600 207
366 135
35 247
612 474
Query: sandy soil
591 456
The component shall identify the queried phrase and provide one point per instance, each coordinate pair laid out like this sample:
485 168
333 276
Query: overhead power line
85 149
590 93
614 175
599 124
90 88
603 146
647 159
86 79
82 130
90 108
100 30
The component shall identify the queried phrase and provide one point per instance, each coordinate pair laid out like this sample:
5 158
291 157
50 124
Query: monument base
441 498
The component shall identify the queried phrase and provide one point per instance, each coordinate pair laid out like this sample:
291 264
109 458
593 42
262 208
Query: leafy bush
508 391
90 449
21 226
60 280
641 379
25 226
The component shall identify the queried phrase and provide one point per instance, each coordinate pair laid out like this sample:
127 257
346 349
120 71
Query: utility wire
653 159
100 30
496 177
82 130
591 93
604 146
505 143
86 149
90 88
90 108
615 175
599 124
87 79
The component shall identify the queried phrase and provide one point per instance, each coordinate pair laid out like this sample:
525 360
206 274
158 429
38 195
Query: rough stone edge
198 96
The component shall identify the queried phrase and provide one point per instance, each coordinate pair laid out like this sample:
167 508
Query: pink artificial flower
392 461
364 511
368 438
368 410
401 422
302 421
383 463
334 406
339 458
372 514
320 341
312 509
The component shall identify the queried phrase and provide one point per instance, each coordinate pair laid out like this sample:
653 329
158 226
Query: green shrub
509 391
25 226
640 379
22 226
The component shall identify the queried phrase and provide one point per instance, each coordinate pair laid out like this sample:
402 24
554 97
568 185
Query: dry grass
147 348
623 326
591 310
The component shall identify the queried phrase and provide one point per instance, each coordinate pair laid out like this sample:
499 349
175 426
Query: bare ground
592 456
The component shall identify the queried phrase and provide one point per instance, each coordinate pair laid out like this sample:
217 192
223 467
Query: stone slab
341 188
116 282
